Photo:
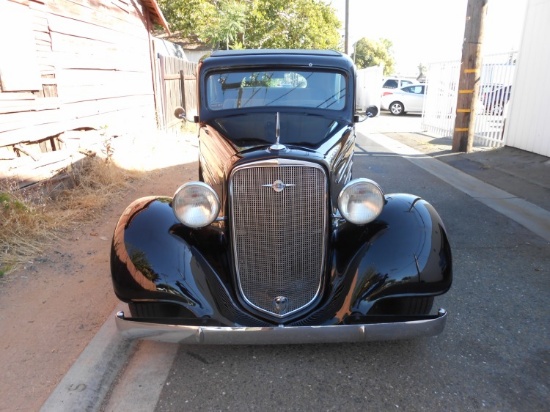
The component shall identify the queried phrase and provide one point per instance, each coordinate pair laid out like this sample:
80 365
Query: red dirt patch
51 308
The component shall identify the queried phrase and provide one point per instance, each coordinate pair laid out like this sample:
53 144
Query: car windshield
289 88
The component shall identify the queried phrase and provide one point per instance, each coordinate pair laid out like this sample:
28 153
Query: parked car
495 97
396 83
276 242
392 83
403 100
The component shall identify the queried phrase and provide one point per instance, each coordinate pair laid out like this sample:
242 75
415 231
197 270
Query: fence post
182 84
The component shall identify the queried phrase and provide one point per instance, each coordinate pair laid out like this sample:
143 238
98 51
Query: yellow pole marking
463 110
462 129
465 91
470 70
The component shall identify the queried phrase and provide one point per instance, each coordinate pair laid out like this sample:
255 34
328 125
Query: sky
431 31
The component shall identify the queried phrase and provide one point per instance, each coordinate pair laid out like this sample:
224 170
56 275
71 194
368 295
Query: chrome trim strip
212 335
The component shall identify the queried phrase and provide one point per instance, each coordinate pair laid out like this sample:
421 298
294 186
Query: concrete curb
531 216
88 382
139 387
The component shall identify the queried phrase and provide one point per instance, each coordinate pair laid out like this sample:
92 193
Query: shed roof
156 13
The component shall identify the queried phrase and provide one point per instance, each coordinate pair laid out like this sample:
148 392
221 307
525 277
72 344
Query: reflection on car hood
299 129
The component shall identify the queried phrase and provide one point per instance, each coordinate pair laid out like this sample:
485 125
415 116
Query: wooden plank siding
95 65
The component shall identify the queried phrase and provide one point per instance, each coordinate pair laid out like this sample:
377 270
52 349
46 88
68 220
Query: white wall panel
528 126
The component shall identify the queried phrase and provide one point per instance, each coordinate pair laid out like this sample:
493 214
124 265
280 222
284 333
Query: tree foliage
369 53
305 24
227 22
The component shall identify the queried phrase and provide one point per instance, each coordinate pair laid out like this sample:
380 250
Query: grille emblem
280 304
278 185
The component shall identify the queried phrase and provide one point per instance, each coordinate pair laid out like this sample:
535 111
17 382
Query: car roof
399 79
279 57
263 52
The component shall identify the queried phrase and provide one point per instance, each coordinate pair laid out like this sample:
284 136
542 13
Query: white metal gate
497 75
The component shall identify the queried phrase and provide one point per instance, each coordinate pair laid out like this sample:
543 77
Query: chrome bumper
213 335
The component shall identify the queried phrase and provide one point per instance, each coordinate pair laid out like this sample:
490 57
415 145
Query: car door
413 98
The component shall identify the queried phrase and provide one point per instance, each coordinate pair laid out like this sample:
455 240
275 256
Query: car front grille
279 228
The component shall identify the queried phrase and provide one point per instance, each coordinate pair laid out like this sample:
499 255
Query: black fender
405 252
154 257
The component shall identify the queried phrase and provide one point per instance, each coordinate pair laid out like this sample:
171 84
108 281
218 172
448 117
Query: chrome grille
279 235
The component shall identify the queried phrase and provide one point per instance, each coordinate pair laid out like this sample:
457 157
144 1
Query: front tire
397 108
157 310
403 306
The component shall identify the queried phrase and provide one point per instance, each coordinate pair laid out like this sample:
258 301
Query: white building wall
527 127
369 87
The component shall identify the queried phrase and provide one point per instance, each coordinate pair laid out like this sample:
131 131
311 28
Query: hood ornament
277 145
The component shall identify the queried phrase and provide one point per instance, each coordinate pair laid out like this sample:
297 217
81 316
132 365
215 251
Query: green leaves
227 21
369 53
230 24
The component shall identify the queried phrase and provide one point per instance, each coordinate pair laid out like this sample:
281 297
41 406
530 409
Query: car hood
307 130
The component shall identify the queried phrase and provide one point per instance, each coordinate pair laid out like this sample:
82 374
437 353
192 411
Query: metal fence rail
497 75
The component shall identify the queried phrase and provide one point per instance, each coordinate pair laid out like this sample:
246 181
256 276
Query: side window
405 82
417 89
390 84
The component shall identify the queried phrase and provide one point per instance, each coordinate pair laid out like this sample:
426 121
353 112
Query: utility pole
470 76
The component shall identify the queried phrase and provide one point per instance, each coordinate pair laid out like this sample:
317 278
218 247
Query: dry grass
29 222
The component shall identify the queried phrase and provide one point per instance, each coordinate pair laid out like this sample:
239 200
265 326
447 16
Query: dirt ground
51 308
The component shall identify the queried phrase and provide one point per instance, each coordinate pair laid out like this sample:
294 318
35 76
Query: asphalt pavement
513 182
493 354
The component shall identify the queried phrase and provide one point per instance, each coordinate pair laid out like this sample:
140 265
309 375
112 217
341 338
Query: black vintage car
277 243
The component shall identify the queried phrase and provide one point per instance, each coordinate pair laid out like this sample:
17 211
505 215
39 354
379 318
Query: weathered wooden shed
68 65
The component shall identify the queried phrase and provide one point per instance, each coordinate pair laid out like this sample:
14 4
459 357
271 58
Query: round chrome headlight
361 201
196 204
